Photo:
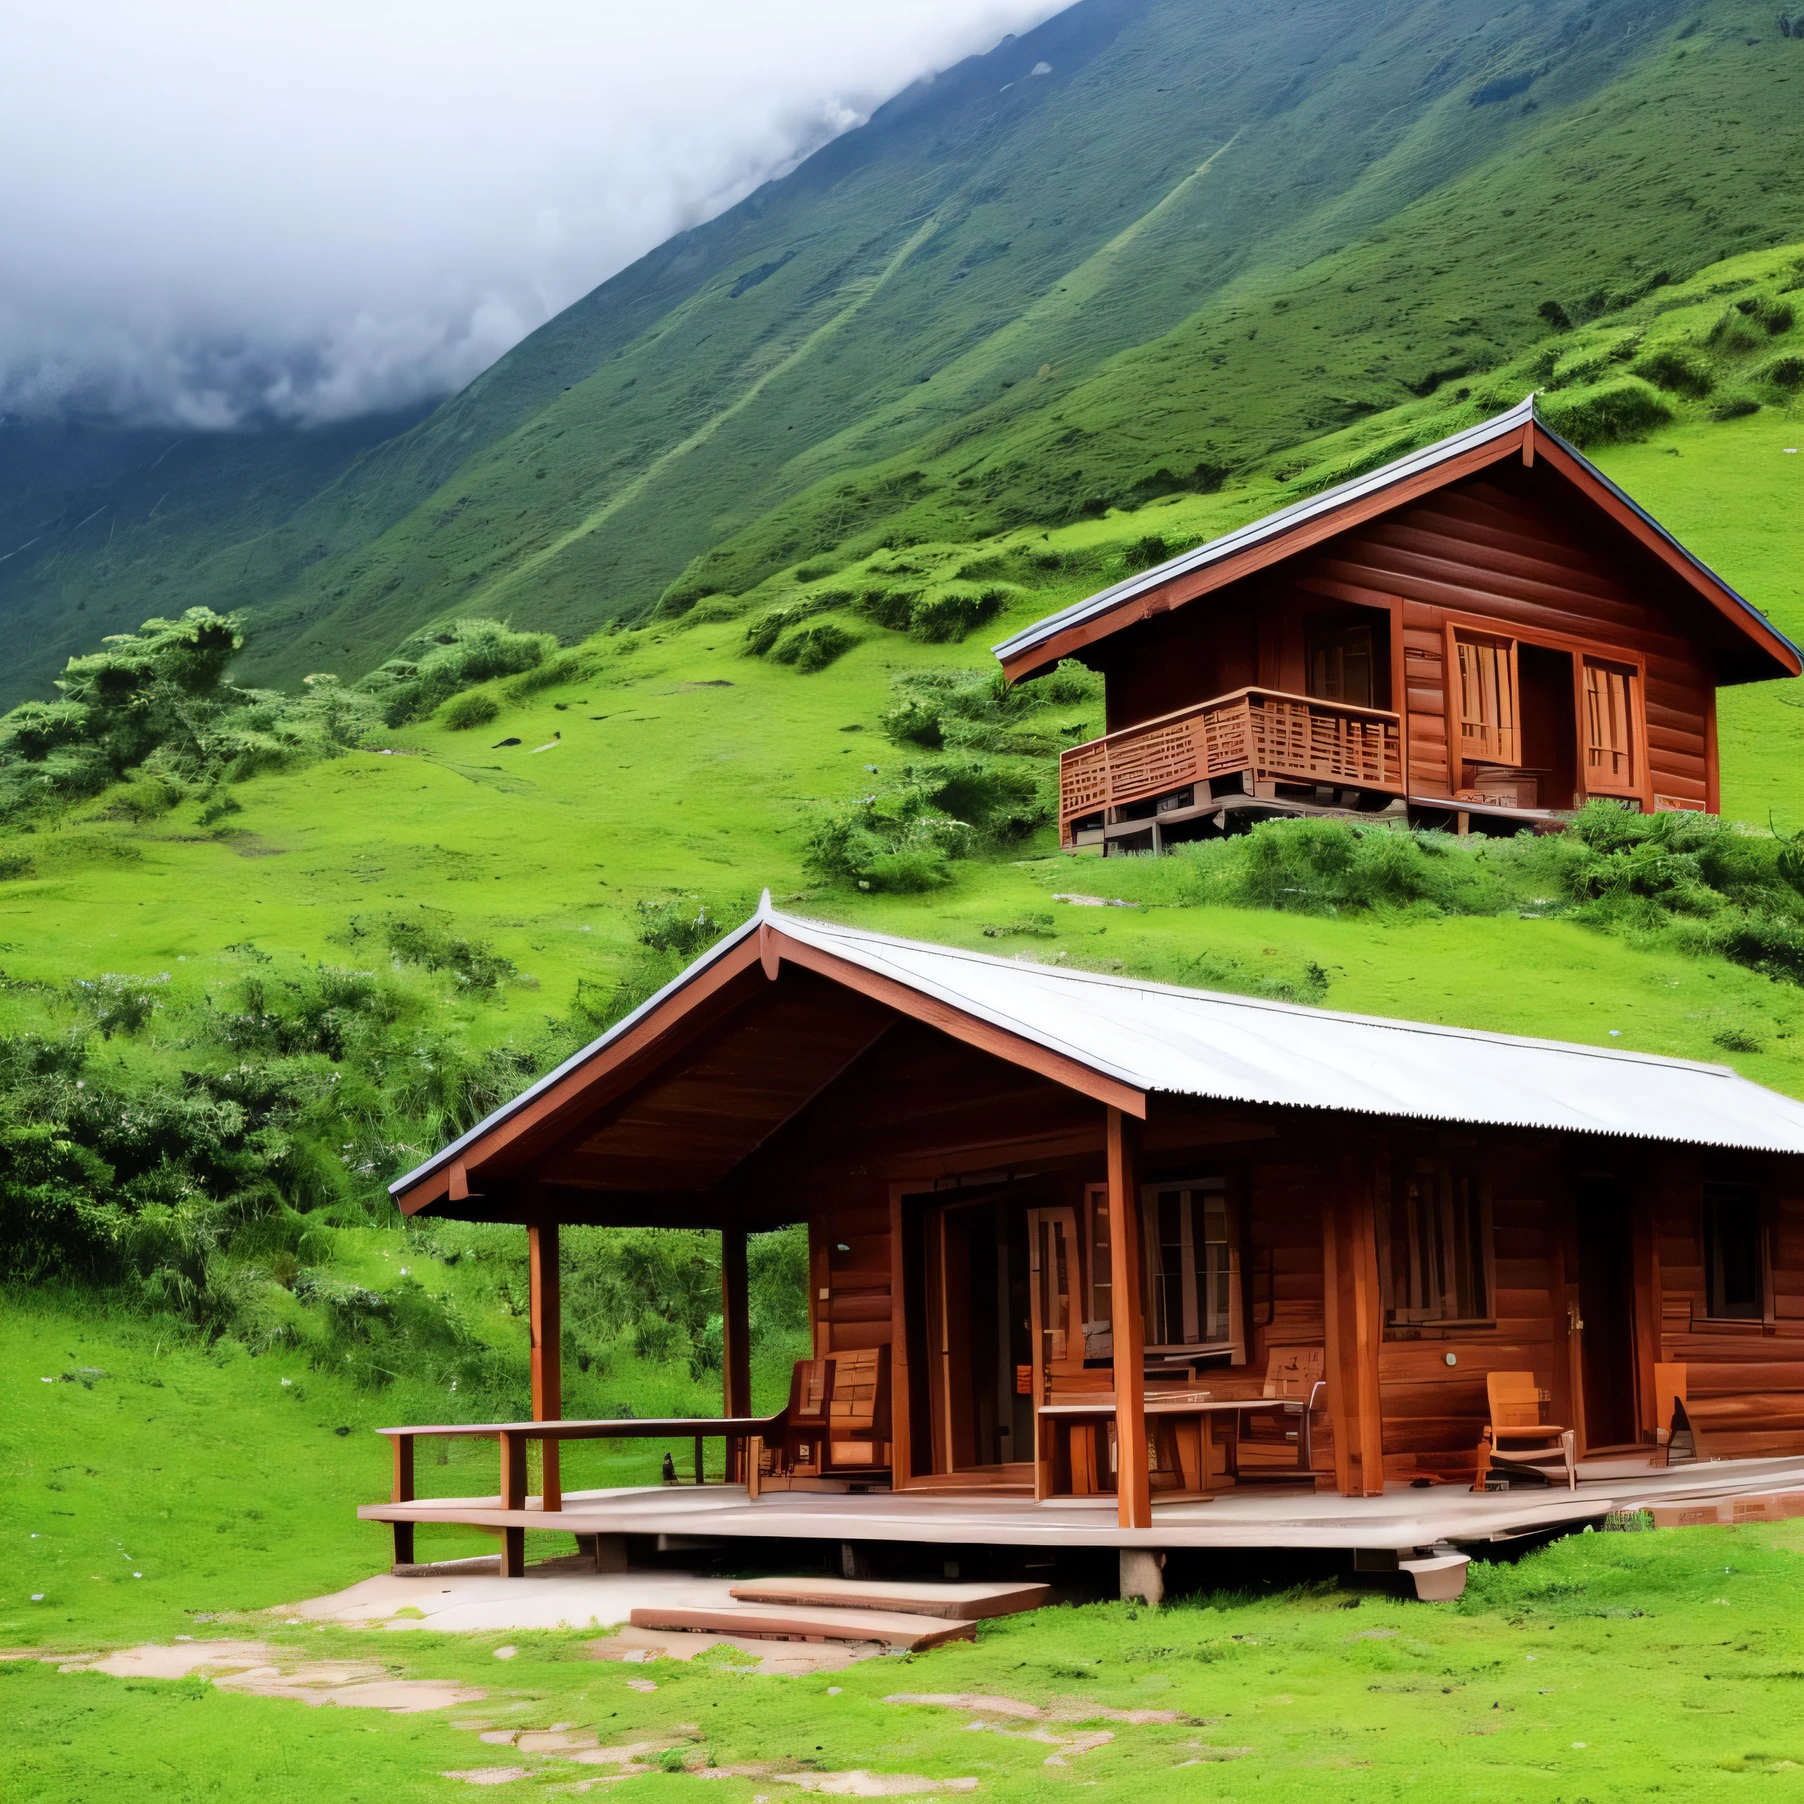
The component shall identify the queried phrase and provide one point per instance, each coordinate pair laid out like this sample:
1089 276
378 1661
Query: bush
815 647
953 610
1606 413
1675 371
435 665
471 709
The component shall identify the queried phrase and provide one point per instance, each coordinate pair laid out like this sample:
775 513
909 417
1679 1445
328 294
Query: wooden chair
837 1422
1516 1428
1280 1444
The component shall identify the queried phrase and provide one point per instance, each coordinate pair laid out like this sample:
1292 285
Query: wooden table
1210 1412
513 1437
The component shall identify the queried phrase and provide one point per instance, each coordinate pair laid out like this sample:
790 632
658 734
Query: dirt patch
872 1785
259 1670
489 1775
742 1653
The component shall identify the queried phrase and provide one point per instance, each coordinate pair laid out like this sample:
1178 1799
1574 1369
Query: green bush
814 647
953 610
471 709
436 664
1607 412
1675 371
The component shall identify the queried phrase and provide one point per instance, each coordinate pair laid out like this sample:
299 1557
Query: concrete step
816 1622
953 1599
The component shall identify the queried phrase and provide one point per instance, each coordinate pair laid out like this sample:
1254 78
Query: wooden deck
1261 736
1264 1516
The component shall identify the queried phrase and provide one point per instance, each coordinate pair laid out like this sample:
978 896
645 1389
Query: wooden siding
1490 550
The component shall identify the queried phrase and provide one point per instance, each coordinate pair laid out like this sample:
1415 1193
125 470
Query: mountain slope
1014 293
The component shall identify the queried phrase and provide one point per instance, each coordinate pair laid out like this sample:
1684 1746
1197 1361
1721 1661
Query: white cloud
213 210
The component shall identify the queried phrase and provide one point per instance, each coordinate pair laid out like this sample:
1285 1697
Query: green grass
1673 1656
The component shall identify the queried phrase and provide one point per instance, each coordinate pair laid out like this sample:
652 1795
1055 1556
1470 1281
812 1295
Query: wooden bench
514 1438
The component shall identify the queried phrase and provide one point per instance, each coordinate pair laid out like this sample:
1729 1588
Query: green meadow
156 1487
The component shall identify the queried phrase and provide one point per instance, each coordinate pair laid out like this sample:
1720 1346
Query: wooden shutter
1489 722
1610 754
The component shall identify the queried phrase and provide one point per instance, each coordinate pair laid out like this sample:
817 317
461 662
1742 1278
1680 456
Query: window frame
1509 748
1233 1343
1401 1320
1756 1198
1633 725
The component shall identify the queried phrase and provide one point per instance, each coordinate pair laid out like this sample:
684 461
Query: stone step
815 1622
954 1599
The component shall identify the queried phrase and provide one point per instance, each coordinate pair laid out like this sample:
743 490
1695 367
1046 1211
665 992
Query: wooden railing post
1133 1482
545 1321
513 1497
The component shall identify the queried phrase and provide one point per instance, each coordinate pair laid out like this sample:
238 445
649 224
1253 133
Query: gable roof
1518 430
1120 1040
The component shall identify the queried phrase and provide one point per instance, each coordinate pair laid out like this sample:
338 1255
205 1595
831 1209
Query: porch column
1133 1483
735 1337
1353 1311
545 1323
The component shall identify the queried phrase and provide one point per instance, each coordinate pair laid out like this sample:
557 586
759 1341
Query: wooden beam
1354 1323
545 1323
735 1338
1133 1483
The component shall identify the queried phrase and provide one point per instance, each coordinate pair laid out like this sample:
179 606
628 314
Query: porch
1403 1520
1162 776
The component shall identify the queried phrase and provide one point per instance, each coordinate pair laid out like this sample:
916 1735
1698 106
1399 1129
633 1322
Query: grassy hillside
157 1490
1200 237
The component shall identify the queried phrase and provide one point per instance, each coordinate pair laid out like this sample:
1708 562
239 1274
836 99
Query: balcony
1257 737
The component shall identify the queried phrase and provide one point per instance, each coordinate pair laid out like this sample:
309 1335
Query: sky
216 214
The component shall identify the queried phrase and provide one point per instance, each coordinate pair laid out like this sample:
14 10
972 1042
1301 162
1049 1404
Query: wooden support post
901 1423
513 1497
1133 1494
735 1344
545 1317
1353 1308
403 1444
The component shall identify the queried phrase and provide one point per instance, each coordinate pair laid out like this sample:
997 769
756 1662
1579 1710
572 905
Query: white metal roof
1158 1038
1313 507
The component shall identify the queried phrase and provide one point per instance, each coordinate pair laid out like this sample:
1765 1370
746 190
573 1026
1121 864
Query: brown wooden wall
1487 548
1745 1380
1513 547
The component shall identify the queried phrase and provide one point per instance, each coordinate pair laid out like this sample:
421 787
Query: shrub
815 647
953 610
474 708
685 928
1606 413
1735 407
1675 371
434 665
1788 372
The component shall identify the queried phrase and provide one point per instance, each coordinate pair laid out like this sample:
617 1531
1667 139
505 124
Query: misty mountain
1148 244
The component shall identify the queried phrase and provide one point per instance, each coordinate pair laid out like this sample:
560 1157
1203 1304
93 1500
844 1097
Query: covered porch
1101 1263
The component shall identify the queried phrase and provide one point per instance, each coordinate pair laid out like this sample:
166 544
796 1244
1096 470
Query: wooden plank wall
1434 1413
849 1249
1486 547
1745 1380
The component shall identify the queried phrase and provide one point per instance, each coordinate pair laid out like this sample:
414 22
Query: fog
213 214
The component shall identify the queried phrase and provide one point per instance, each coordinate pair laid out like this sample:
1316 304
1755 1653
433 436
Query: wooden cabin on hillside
1102 1263
1483 633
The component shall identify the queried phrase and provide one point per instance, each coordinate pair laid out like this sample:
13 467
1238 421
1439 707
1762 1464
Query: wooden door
1605 1328
1056 1292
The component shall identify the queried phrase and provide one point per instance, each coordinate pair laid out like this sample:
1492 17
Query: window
1189 1269
1610 729
1734 1253
1489 722
1192 1266
1435 1251
1340 666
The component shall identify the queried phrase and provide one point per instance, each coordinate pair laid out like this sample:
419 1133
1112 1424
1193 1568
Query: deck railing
1268 734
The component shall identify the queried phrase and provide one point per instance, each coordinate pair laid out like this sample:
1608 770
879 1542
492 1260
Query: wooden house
1483 633
1096 1261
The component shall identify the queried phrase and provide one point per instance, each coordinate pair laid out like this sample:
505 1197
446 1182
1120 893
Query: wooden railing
514 1437
1272 736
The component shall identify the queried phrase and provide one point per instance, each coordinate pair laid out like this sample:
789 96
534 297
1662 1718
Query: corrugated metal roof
1159 1038
1314 507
